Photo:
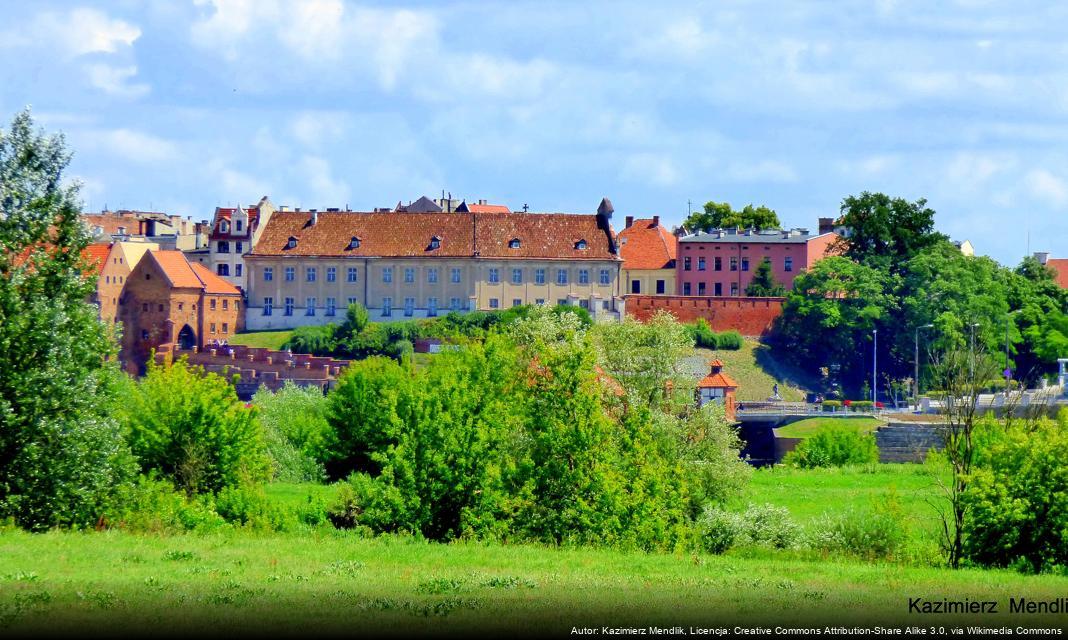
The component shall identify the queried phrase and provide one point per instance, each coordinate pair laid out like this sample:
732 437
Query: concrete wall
747 316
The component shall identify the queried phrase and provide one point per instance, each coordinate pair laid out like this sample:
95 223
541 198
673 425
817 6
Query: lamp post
972 368
874 366
916 361
1008 369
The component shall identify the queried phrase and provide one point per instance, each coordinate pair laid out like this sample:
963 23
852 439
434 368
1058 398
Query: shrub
831 405
704 337
1018 497
718 530
318 340
761 525
861 405
879 533
729 341
834 447
249 507
297 434
190 427
154 506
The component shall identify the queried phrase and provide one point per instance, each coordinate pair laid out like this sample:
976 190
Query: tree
763 283
189 426
719 215
63 460
296 431
645 358
885 232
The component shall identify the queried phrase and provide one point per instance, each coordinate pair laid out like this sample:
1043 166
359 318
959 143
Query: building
717 387
234 231
446 205
119 261
169 303
1058 265
722 261
168 231
309 266
966 247
648 250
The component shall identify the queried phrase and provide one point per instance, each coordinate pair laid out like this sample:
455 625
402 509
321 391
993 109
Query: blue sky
183 106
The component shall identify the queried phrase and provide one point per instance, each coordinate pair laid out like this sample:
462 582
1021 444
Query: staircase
907 441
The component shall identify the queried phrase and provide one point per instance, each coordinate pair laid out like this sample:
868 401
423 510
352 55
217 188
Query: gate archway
186 338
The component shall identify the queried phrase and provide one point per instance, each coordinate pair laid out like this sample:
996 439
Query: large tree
763 283
63 460
720 215
884 232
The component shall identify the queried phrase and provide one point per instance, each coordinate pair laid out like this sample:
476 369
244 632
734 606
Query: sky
184 106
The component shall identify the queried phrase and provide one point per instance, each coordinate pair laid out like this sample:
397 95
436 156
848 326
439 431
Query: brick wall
747 316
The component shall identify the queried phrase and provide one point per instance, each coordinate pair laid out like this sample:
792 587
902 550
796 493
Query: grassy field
755 370
79 583
811 426
262 339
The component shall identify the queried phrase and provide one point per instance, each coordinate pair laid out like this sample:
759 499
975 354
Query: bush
190 427
834 447
761 525
878 534
249 507
154 506
705 338
1018 497
718 530
831 405
861 405
297 435
315 339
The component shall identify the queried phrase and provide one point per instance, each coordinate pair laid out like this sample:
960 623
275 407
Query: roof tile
646 244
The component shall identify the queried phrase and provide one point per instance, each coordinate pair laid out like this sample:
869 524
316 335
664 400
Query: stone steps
907 442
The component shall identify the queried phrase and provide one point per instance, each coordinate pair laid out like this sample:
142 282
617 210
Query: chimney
656 221
826 225
1042 256
314 217
630 221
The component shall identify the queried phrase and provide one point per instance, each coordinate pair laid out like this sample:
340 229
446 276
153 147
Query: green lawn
755 370
82 583
811 426
263 339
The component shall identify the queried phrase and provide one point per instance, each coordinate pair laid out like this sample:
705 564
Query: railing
763 408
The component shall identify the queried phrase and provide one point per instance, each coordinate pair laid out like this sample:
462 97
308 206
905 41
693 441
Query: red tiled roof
716 379
212 282
540 235
177 269
96 254
488 208
1060 266
648 245
110 223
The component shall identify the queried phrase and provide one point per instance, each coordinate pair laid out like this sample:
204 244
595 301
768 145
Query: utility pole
874 367
973 326
916 361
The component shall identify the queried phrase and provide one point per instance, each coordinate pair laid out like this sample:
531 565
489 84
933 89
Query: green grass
82 583
263 339
811 426
755 370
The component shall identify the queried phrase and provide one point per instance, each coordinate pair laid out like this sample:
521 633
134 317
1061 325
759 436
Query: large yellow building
308 267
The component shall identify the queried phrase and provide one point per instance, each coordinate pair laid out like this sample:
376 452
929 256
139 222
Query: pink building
722 262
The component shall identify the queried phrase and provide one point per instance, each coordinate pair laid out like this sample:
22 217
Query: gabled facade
234 231
649 251
718 387
120 260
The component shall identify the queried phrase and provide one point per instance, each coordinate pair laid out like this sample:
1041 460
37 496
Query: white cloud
324 188
75 33
650 168
1046 186
974 169
762 171
685 39
135 146
113 80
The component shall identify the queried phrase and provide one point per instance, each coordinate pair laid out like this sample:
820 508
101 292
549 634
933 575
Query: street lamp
973 326
874 366
916 361
1008 369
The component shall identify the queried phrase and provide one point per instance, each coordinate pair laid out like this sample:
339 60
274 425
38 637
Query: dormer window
435 243
513 243
239 225
581 245
292 244
354 243
224 227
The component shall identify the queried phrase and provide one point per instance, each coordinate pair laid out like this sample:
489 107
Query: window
213 327
700 288
238 225
309 274
701 263
454 304
561 301
268 274
635 286
352 274
226 327
144 307
237 270
454 275
494 275
717 264
686 263
540 301
539 276
432 275
517 276
221 269
107 279
352 301
745 264
387 306
144 334
409 275
268 303
494 303
581 245
604 305
387 274
354 243
222 247
331 274
239 246
561 276
584 276
226 305
585 304
409 306
291 274
734 264
789 266
161 307
685 288
331 306
148 276
289 306
605 276
513 243
719 288
734 288
180 305
309 306
237 305
435 243
516 302
431 306
660 287
292 244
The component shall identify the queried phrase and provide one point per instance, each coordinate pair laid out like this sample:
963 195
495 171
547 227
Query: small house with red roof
648 250
234 231
717 387
168 302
